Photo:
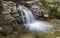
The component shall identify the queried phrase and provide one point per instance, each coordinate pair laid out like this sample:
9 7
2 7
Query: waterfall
30 22
27 14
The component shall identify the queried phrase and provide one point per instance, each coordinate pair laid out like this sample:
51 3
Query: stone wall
35 7
10 19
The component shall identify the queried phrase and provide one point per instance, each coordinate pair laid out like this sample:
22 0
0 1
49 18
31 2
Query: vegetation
52 7
15 29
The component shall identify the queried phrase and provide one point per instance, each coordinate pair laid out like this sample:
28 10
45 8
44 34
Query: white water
31 23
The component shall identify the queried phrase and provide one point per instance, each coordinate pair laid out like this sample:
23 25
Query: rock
1 8
37 10
46 15
9 8
34 6
9 18
58 37
58 9
53 0
1 29
51 5
2 21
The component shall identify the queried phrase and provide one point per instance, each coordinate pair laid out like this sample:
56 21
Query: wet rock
35 7
37 10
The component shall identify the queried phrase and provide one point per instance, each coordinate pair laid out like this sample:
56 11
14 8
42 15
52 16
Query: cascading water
30 22
27 14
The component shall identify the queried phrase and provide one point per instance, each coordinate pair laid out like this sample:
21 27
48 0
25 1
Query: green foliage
1 36
58 15
51 7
